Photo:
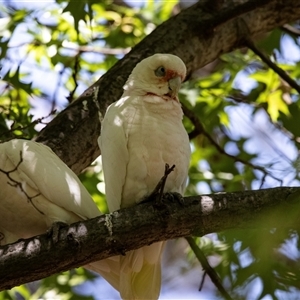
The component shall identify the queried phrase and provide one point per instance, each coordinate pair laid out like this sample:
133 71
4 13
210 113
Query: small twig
17 184
90 49
243 99
287 133
199 129
99 50
273 66
207 268
74 76
246 41
163 180
159 189
202 281
33 123
291 30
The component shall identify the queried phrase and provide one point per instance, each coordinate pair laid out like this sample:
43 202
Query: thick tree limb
198 35
141 225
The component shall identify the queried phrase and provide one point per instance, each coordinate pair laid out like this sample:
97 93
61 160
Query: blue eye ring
160 71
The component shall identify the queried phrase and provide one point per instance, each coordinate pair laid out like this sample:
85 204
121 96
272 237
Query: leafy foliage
249 117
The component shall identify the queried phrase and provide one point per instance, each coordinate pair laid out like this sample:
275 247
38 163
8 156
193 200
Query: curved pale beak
174 86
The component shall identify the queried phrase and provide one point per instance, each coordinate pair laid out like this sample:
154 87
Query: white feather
140 134
56 195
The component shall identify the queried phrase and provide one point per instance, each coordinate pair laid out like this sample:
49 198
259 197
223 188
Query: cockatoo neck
139 87
154 103
164 97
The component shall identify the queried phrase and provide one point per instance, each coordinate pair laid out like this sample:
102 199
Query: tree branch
273 66
91 240
198 35
207 268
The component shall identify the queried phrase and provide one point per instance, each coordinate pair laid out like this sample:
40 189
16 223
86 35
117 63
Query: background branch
207 268
273 66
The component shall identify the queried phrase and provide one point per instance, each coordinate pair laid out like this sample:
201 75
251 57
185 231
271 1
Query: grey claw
53 231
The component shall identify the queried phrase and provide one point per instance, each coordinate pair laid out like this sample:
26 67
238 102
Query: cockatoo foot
157 194
172 197
2 237
54 230
159 189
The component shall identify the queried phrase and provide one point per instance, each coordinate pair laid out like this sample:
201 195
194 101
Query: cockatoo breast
155 136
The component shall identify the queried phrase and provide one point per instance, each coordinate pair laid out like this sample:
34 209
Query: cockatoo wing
53 178
37 190
113 146
49 192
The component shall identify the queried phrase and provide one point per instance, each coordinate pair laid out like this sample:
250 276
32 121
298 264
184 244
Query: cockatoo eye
160 71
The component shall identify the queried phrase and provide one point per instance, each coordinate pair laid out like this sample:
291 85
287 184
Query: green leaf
276 105
290 120
271 42
14 80
78 11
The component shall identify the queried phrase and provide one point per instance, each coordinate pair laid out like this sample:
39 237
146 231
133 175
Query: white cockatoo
38 189
141 133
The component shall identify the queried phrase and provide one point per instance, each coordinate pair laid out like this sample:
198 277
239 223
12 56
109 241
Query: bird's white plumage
140 134
55 192
59 194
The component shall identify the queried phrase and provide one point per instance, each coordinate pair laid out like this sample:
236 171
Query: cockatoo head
160 75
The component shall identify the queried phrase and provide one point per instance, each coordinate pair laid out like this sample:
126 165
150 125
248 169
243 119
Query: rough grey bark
88 241
198 35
